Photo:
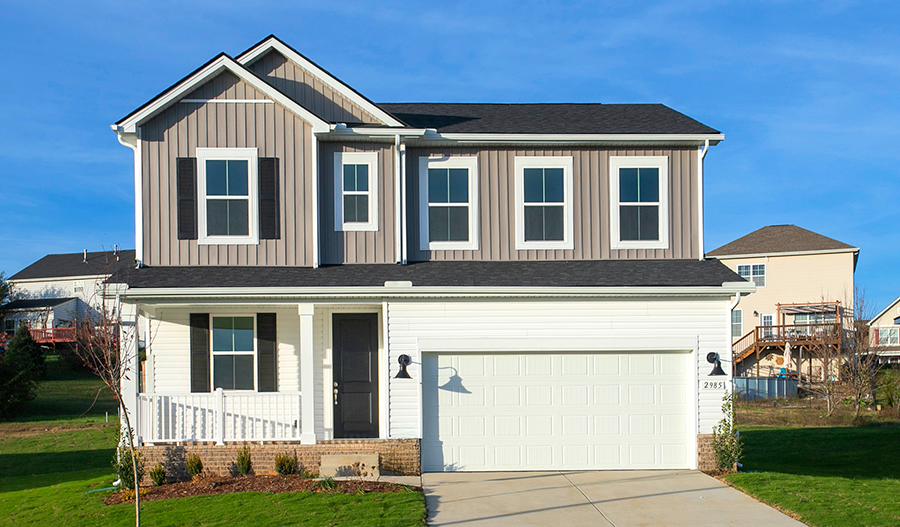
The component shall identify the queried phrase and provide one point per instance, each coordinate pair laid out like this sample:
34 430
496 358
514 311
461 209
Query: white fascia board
291 294
329 79
791 253
472 138
60 278
215 67
883 311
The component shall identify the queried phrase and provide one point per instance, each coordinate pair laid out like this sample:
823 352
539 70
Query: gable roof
35 303
561 118
776 239
885 310
273 42
75 264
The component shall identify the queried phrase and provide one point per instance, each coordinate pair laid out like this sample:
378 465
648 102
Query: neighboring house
803 301
53 294
884 333
451 286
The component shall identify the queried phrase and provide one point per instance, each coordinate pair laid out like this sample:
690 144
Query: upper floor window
639 205
78 286
755 273
737 323
233 353
356 191
448 205
544 203
228 202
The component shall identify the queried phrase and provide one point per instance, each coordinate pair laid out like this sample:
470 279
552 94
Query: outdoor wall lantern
404 362
713 358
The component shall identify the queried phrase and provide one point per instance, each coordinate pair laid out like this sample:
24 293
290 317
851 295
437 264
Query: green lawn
834 476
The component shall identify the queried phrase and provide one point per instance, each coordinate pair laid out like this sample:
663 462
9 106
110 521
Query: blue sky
806 94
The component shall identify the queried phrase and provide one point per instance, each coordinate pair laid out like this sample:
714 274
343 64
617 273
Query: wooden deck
53 335
809 336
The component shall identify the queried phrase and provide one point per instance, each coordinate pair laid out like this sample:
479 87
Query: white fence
219 417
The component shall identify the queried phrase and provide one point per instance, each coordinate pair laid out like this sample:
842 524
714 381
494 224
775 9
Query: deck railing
49 335
796 334
218 417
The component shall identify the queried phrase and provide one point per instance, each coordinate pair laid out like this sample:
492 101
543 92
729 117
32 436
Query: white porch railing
219 417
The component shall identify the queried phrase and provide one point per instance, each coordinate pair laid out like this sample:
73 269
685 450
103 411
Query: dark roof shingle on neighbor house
35 303
101 263
780 239
562 118
578 273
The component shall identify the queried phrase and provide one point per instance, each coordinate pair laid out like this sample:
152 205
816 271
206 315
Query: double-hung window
639 203
228 195
356 191
544 203
755 273
233 353
737 323
887 337
448 188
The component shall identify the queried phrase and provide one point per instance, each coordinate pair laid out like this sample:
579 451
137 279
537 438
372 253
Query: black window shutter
200 352
186 182
266 346
269 204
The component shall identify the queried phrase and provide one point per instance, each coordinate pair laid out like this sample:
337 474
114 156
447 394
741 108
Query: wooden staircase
762 338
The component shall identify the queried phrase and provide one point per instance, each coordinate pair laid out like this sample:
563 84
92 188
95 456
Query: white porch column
307 376
130 380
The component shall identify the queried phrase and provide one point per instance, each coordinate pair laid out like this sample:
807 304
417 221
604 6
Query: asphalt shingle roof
74 264
564 118
578 273
779 239
35 303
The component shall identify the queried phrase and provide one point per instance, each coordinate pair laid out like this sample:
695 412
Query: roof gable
776 239
891 317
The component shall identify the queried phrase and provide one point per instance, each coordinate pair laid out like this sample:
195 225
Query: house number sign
713 385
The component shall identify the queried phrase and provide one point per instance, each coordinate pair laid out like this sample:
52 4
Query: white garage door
550 411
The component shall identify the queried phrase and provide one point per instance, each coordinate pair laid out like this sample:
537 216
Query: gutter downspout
138 195
398 203
734 304
702 156
403 203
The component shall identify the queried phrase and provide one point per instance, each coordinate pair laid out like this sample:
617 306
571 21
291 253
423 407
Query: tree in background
21 369
861 365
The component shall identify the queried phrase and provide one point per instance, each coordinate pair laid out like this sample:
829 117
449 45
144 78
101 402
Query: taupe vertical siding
271 128
358 246
309 90
590 208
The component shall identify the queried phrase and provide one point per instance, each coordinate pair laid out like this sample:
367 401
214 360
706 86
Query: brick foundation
396 456
706 454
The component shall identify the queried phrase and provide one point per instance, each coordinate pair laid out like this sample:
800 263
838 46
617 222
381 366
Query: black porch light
404 361
713 358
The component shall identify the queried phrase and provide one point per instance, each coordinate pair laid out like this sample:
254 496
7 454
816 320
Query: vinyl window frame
467 162
739 323
758 279
892 333
251 155
567 164
213 354
662 164
355 158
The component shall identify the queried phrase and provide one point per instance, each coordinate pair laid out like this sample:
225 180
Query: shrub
285 464
327 484
890 388
726 441
307 474
243 461
158 474
124 468
194 465
21 367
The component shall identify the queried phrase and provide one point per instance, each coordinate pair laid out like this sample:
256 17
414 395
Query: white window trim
468 162
249 154
751 276
564 162
78 286
355 158
659 162
254 353
740 331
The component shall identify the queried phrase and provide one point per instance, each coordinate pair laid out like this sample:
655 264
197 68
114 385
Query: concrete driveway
603 498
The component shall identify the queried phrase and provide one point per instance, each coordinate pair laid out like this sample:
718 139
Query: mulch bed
273 484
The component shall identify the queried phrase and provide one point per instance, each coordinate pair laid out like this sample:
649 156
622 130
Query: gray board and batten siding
496 166
271 128
309 90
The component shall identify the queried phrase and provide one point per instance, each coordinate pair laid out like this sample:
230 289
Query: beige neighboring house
884 332
803 300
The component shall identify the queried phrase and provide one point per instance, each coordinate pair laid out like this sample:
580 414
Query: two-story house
803 306
451 286
884 333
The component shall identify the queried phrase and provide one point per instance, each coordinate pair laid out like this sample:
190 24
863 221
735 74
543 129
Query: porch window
233 353
639 202
356 191
448 203
737 323
755 273
228 203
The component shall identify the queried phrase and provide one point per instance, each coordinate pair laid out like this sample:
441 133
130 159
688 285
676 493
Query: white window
755 273
448 203
544 203
9 325
887 337
639 202
79 286
228 196
233 353
737 323
356 191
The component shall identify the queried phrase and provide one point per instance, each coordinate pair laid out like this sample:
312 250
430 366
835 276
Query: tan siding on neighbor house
591 204
308 90
358 246
182 128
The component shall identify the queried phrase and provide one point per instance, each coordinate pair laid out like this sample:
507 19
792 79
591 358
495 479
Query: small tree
861 366
21 368
726 441
829 389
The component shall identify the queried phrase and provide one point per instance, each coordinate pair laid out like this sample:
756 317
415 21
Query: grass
51 454
826 476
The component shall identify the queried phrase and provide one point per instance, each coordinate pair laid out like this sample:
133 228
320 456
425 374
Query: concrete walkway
604 498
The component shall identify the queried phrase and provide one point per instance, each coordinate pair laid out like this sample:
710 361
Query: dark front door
355 375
